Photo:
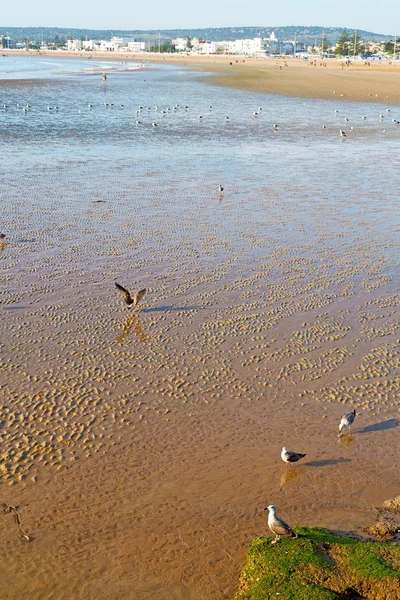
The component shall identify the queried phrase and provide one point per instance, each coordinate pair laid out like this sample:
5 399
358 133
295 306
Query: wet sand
142 448
378 81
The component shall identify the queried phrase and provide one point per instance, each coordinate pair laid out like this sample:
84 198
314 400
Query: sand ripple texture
271 308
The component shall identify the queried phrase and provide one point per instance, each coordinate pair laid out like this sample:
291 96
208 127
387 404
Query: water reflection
346 440
132 321
289 475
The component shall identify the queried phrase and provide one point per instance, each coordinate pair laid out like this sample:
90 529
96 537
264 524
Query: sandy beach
142 447
330 79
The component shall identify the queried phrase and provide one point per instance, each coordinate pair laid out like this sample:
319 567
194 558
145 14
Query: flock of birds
278 526
343 133
168 110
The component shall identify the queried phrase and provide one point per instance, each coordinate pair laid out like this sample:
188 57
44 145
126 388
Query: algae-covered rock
320 566
393 503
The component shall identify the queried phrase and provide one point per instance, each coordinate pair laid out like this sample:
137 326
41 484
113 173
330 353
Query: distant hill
308 35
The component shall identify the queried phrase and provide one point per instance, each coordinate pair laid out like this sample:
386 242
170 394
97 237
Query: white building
137 46
79 45
249 47
74 45
180 44
89 45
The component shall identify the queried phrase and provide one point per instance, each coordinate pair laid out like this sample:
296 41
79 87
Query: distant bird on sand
2 236
128 298
342 133
288 456
220 189
277 526
347 421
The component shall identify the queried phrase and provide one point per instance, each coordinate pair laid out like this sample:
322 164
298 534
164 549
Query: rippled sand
142 446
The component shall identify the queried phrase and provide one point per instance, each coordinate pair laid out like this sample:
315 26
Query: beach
142 446
361 81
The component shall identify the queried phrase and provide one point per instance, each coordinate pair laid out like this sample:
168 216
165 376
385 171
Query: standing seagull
347 421
128 298
220 189
290 457
277 526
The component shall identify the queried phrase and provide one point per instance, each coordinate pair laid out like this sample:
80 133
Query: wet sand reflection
132 321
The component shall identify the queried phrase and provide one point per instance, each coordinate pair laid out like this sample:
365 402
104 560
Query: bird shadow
382 426
327 462
14 307
172 309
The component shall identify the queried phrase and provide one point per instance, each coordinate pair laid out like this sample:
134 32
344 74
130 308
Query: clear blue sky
381 16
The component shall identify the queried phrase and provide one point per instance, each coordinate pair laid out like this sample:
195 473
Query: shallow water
145 446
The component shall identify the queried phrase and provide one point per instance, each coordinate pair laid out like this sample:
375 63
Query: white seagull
278 526
288 456
347 421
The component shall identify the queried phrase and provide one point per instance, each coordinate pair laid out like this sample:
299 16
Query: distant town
348 45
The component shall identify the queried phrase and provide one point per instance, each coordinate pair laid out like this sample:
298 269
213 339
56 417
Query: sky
378 16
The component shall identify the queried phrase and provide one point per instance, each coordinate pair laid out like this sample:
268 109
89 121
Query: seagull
363 118
347 421
275 127
288 456
137 296
2 236
154 124
336 111
220 189
342 133
324 126
277 526
138 122
226 118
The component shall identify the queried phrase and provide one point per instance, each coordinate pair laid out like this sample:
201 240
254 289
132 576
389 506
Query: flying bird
288 456
278 526
347 421
137 296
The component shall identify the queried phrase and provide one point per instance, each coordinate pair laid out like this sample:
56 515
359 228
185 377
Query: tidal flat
142 446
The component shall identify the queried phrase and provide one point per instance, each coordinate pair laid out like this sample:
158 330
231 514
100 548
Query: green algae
319 565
